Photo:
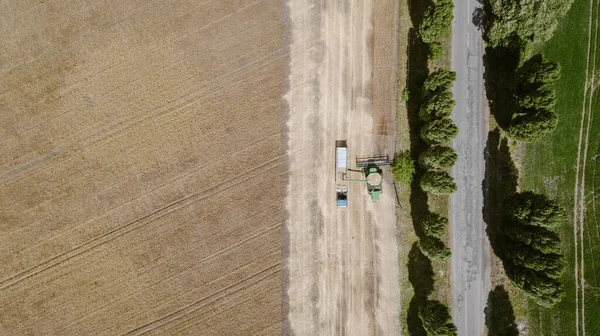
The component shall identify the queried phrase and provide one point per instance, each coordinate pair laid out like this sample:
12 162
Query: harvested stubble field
140 167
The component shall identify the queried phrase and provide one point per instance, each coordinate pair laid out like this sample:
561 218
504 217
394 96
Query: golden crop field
140 167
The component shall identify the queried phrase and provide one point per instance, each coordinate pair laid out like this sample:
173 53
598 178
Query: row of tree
438 128
529 249
436 25
532 256
435 130
514 25
535 96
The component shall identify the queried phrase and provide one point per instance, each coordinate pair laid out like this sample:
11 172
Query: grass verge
419 277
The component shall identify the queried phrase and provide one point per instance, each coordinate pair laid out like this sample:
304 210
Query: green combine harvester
369 166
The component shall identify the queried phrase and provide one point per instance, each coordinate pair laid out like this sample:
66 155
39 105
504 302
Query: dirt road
340 267
470 245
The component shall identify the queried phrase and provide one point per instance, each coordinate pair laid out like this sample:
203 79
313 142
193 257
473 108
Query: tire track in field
582 202
170 181
138 223
15 174
253 236
202 302
579 205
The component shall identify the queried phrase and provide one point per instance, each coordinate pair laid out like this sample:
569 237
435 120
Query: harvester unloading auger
369 166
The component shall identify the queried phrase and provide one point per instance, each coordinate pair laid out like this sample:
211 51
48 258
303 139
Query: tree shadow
420 275
420 272
478 15
500 66
417 73
499 314
417 10
501 180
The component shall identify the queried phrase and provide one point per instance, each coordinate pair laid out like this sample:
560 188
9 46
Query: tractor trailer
368 166
341 171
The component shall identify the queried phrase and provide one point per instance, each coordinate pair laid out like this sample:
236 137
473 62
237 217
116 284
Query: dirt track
140 161
341 270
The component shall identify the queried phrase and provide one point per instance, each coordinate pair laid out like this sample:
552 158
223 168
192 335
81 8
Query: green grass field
550 167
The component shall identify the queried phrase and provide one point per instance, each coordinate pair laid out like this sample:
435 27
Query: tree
438 131
403 168
533 84
543 98
439 105
525 256
440 80
438 183
538 238
545 291
535 73
529 208
434 225
532 125
535 96
437 157
532 20
436 319
436 21
434 248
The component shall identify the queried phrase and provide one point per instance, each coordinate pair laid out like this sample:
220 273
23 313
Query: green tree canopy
535 73
532 125
533 20
436 157
436 319
535 209
437 21
533 89
403 168
434 248
526 256
439 105
545 291
544 99
439 80
438 131
434 225
537 237
438 183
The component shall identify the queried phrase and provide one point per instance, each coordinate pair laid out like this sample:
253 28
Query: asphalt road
470 245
